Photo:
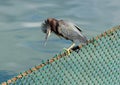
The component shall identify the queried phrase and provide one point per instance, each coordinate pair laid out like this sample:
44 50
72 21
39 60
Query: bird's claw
67 51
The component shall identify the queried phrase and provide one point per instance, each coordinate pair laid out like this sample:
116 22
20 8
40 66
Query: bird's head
49 23
47 27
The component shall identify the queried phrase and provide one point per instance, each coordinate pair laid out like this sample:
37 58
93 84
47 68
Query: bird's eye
46 21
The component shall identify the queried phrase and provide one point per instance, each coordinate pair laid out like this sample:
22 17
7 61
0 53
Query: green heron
64 29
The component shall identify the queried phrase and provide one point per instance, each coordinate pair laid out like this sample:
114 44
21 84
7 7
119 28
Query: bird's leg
73 44
68 49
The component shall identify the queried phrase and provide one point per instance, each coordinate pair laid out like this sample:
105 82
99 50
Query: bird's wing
74 29
71 31
68 29
78 28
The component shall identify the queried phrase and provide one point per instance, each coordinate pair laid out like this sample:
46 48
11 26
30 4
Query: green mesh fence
97 63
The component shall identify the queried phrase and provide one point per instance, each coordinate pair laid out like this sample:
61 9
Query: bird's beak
47 35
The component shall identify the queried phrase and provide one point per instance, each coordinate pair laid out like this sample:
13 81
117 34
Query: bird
63 29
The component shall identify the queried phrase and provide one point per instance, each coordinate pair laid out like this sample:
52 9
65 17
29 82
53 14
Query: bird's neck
54 26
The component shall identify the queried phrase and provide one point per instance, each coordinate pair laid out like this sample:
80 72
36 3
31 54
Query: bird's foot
67 50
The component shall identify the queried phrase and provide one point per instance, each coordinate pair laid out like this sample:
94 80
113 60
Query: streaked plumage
64 29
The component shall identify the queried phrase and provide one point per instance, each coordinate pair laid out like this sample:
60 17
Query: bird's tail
83 40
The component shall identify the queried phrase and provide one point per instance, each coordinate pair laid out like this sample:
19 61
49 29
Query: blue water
21 40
